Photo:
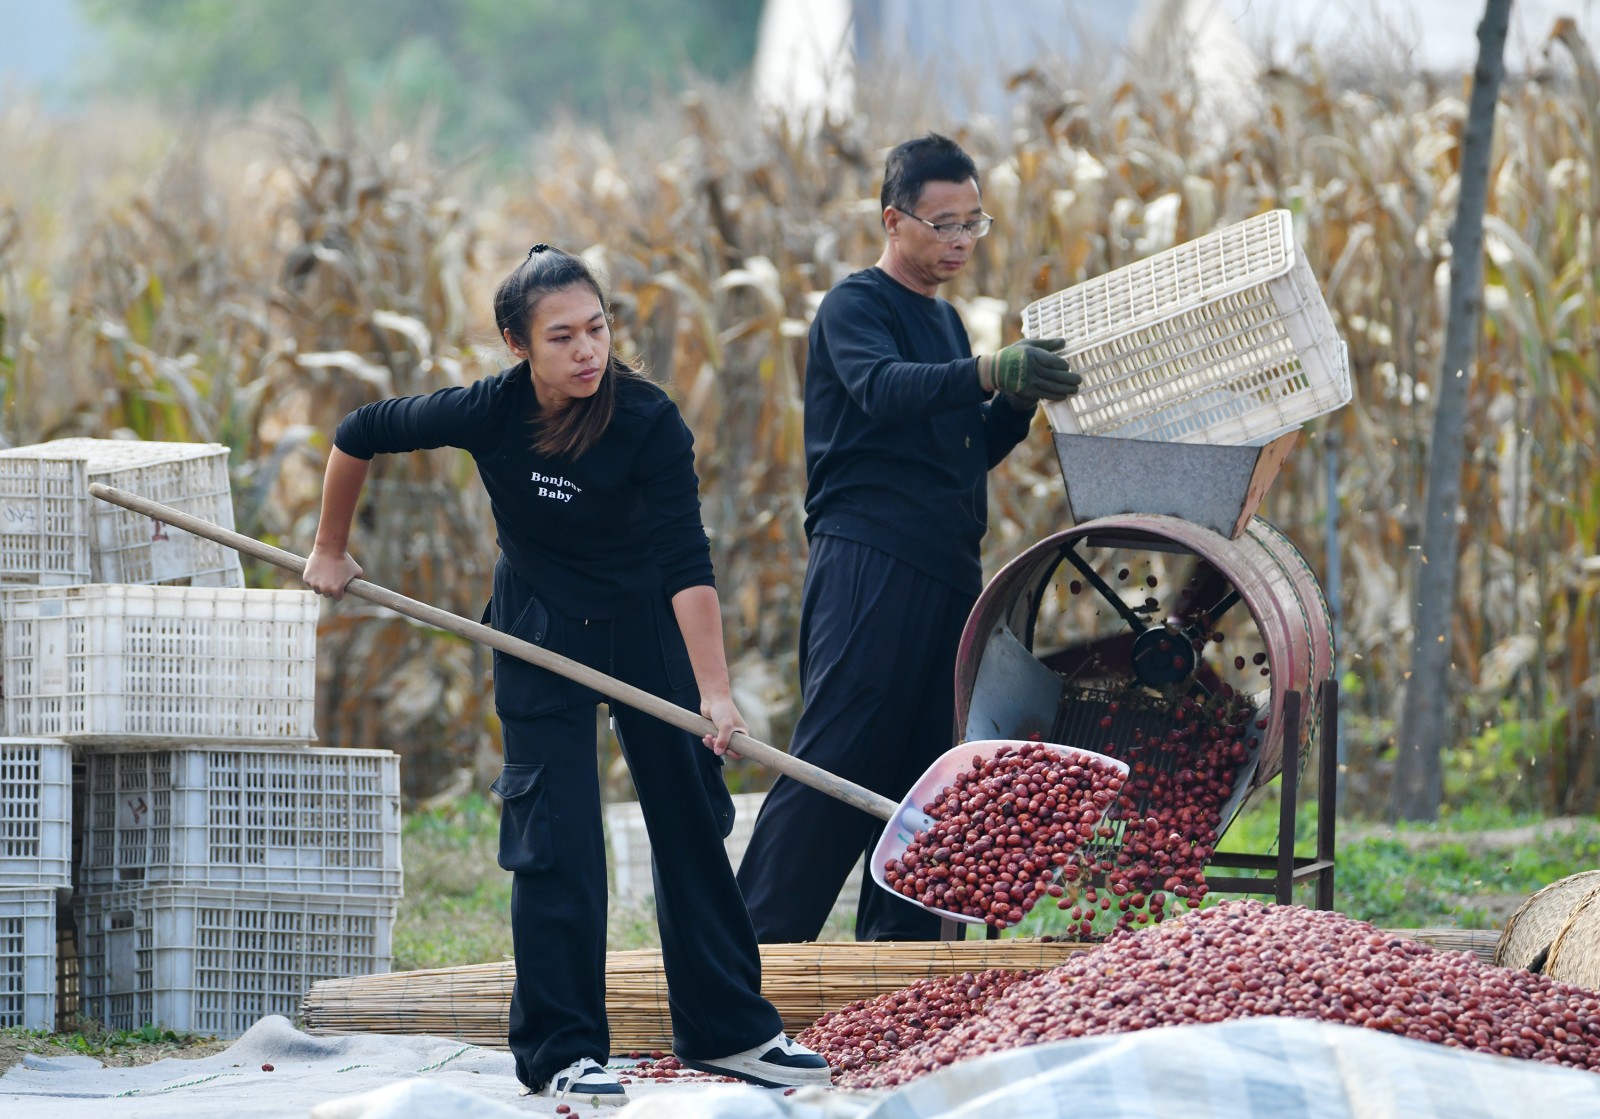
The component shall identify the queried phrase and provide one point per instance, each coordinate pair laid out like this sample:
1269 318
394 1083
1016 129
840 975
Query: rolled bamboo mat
803 981
1538 920
1575 952
1480 942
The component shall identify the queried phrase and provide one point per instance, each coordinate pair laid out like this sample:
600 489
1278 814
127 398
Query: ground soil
13 1049
1478 842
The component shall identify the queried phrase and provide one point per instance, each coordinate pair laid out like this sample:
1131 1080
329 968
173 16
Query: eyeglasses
950 230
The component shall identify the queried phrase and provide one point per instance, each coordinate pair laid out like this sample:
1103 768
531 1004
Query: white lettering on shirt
554 488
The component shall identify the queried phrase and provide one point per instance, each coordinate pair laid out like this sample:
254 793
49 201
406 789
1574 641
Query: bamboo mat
803 981
1480 942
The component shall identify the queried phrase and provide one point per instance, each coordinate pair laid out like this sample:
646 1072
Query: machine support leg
1327 790
1289 795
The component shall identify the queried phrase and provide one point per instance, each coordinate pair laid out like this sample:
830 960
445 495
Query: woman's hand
721 711
329 568
329 572
700 621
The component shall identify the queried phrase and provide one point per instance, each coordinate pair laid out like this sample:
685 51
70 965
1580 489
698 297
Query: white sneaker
780 1063
585 1079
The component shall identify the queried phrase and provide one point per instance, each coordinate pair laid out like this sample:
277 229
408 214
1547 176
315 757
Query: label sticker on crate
19 518
171 552
50 653
134 812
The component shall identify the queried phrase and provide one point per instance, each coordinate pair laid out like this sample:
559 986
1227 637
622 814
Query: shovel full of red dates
995 825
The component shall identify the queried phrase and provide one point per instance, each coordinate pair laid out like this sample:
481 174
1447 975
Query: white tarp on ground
1263 1068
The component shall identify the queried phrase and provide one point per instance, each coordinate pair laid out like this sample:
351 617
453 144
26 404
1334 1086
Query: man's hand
1032 368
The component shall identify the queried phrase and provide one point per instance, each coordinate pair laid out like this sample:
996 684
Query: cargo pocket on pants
524 819
523 690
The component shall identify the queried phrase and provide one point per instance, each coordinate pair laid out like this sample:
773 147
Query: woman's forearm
329 567
699 615
341 492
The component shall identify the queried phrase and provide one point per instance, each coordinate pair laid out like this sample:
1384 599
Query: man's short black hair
928 159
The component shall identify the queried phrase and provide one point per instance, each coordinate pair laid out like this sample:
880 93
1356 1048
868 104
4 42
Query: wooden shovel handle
807 774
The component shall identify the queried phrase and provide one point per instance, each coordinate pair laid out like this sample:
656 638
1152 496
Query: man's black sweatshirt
899 434
596 535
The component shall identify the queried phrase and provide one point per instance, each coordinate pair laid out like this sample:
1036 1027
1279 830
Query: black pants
551 840
878 645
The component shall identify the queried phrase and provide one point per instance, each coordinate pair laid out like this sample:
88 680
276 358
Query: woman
590 474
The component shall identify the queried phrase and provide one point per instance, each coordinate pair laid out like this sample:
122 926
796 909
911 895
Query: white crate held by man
117 663
313 820
1224 339
53 532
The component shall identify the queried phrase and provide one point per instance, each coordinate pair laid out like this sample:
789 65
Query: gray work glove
1032 369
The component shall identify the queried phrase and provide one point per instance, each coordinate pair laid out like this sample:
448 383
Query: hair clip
541 247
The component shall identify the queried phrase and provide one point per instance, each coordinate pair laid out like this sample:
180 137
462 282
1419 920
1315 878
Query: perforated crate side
1225 339
216 961
35 813
629 848
28 958
1227 375
1213 266
129 547
44 525
97 541
116 663
308 819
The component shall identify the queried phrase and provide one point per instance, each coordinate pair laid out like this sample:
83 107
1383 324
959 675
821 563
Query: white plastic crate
110 663
35 813
53 532
215 961
44 522
630 848
28 958
1224 339
314 820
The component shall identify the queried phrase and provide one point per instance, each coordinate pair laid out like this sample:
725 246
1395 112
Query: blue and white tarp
1260 1068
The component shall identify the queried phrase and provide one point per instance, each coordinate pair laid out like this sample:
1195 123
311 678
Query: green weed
91 1042
457 907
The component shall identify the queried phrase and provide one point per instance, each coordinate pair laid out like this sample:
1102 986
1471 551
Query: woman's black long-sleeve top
596 535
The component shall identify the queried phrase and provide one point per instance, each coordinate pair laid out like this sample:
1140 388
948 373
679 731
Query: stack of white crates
226 862
35 867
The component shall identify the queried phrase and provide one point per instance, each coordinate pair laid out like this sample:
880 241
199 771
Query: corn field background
248 280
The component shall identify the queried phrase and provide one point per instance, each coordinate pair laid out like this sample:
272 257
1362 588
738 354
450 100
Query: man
902 425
